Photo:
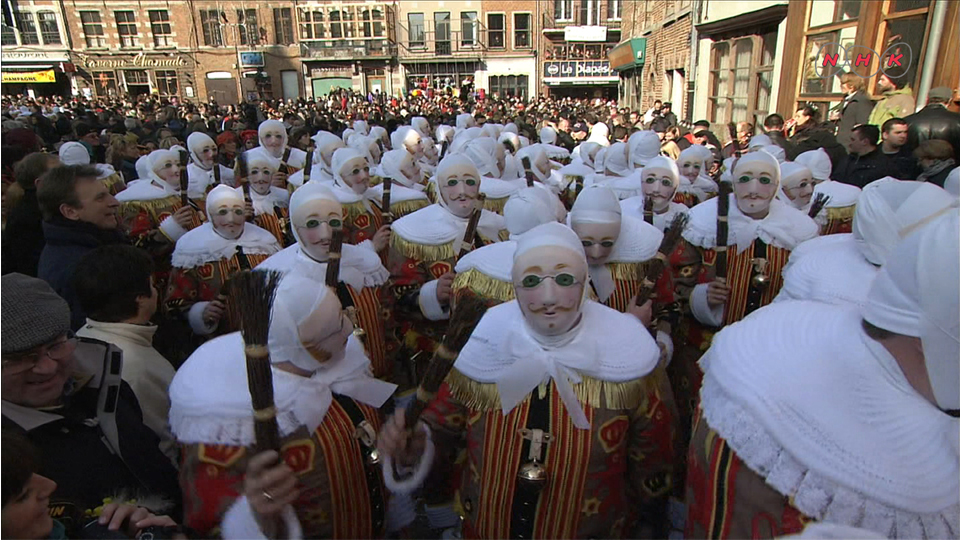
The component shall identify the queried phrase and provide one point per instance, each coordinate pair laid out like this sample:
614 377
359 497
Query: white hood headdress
195 142
421 125
276 125
790 174
481 152
642 146
526 209
818 161
74 153
615 160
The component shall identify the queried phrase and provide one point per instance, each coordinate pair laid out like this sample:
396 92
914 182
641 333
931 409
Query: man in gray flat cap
65 394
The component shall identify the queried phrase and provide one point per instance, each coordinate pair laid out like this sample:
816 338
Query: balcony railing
579 18
430 41
347 49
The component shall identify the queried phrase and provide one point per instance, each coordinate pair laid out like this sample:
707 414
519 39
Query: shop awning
628 55
45 76
745 23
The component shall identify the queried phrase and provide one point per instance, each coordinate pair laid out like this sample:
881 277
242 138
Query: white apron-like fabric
784 227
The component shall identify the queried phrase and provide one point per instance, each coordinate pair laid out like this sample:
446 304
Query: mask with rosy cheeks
797 184
261 178
549 284
168 169
325 331
356 174
598 239
459 188
659 186
208 155
690 168
273 141
314 222
756 180
411 170
414 145
430 152
228 219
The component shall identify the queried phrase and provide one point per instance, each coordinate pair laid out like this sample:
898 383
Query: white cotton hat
142 165
642 146
818 161
465 120
511 128
537 154
917 294
421 125
402 135
257 159
297 297
550 234
195 141
322 138
481 152
526 209
588 151
379 132
444 133
392 162
490 130
615 160
74 153
596 204
177 149
221 195
347 135
160 156
548 135
361 127
760 140
512 138
275 125
888 209
791 173
364 144
663 163
340 158
775 151
692 153
760 156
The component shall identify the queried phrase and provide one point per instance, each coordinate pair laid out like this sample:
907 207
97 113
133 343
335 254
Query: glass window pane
49 29
897 6
831 11
28 29
908 31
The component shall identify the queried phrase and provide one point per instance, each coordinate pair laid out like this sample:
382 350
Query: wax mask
430 152
207 154
501 156
549 282
314 222
690 167
542 163
411 170
261 177
228 219
168 169
326 153
459 190
754 184
598 239
375 154
356 174
272 141
799 188
659 186
325 331
413 144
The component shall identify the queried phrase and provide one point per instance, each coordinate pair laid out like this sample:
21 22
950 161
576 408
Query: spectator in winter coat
23 233
935 122
773 127
866 162
855 109
894 134
897 100
810 134
936 160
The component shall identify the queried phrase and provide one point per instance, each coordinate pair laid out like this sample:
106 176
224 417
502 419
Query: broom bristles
251 295
819 201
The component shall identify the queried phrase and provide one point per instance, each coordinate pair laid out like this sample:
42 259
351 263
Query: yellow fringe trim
495 205
403 208
431 192
627 271
484 285
153 205
504 235
422 252
596 393
375 180
354 210
844 212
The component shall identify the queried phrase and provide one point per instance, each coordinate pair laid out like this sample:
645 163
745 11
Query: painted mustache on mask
555 308
464 197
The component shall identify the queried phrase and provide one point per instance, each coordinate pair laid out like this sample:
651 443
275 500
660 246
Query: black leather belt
754 293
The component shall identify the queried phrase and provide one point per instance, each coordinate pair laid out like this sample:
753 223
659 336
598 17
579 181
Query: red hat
225 137
248 134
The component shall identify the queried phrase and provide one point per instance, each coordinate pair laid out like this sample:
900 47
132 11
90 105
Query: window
899 6
127 28
441 25
249 30
135 77
336 27
372 23
92 29
563 10
346 14
212 31
824 12
589 12
741 78
614 9
160 27
509 86
521 30
311 24
28 29
283 25
49 29
9 36
468 28
415 23
167 82
495 29
105 83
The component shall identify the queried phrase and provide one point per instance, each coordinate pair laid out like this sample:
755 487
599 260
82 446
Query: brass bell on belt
373 457
760 281
532 476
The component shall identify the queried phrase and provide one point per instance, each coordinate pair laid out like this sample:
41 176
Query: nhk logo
897 57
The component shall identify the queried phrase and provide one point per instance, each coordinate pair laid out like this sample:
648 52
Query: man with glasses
65 395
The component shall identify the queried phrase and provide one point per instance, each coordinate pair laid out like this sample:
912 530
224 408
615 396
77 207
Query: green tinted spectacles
314 223
605 243
469 181
564 280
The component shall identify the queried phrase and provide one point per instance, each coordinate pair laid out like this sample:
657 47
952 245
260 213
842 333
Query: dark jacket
861 170
23 236
788 147
565 140
934 122
73 453
905 166
818 136
854 111
129 170
66 242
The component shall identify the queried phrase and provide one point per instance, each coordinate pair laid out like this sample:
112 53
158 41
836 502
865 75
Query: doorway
222 90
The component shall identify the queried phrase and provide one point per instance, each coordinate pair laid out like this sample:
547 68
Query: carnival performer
512 166
208 256
326 485
696 185
423 249
660 177
269 201
548 138
813 412
407 192
204 171
839 268
642 146
490 159
274 147
326 144
363 222
74 153
837 216
615 173
557 389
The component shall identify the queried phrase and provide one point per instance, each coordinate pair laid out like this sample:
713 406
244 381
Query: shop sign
46 76
34 56
585 33
251 59
140 60
576 69
628 54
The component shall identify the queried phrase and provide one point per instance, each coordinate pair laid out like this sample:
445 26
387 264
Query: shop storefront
163 74
580 79
36 73
443 76
508 77
626 60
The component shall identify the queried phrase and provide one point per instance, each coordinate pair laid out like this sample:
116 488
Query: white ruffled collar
147 189
874 454
359 267
494 260
829 269
210 403
608 345
495 188
784 227
638 241
202 245
841 195
264 204
435 225
399 193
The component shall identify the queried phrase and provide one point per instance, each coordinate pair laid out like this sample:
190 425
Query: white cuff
401 511
195 318
240 523
368 244
172 229
666 341
420 472
430 305
702 310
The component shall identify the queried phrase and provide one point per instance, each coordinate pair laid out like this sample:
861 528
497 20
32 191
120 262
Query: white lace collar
784 227
202 245
147 190
435 225
359 267
830 269
494 260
